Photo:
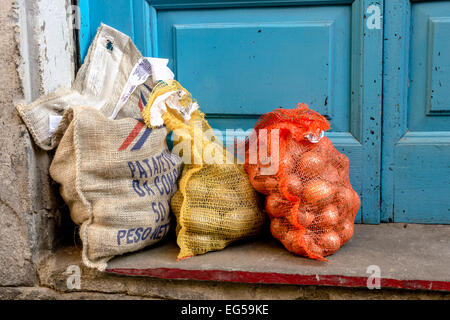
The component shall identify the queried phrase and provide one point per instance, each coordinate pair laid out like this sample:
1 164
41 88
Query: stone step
407 256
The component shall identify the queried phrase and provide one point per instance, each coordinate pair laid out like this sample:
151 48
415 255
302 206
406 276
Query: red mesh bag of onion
310 201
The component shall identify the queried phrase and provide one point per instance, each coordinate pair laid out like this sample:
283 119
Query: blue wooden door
416 139
244 58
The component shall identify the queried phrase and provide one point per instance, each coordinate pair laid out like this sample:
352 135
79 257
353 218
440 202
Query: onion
259 184
310 165
346 197
330 242
342 160
295 147
267 170
331 174
252 171
289 162
342 163
347 230
294 184
325 146
292 242
311 244
262 183
317 190
305 218
278 227
356 203
270 183
277 206
328 217
344 174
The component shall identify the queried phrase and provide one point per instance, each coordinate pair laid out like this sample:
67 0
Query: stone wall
16 215
28 208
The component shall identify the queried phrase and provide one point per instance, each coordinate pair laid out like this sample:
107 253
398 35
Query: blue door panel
422 179
416 132
429 101
274 62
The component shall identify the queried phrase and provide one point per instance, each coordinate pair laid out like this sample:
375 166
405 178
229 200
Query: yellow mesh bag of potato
215 203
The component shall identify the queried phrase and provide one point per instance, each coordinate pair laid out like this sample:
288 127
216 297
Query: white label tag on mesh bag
170 99
315 138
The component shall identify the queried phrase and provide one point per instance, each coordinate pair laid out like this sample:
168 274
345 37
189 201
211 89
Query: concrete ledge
414 257
41 293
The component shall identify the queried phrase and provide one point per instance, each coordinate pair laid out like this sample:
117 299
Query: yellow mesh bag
215 203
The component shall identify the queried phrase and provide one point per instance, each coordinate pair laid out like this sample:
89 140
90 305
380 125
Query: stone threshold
408 256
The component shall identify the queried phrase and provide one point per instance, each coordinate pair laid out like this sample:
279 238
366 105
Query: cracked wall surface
29 214
16 267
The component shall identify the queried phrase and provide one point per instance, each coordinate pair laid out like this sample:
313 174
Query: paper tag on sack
53 122
146 67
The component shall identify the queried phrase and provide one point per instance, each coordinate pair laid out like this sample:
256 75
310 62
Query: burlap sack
117 177
99 83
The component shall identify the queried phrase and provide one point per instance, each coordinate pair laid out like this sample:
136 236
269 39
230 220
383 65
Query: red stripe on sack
133 134
141 107
280 278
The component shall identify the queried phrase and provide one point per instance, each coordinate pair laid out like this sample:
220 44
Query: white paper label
53 122
155 67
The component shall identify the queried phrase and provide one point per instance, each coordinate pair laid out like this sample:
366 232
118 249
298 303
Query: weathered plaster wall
16 267
45 38
32 61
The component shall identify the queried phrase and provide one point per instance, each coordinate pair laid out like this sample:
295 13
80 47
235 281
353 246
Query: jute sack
117 177
215 204
99 83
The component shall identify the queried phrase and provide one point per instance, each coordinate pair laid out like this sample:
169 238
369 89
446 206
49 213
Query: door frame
366 74
396 40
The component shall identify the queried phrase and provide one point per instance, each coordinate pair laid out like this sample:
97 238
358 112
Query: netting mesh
310 201
215 203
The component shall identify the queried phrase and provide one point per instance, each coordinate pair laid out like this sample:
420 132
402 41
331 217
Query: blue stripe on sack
142 139
148 88
143 99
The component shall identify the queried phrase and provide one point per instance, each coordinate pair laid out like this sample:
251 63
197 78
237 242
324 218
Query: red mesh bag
310 201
